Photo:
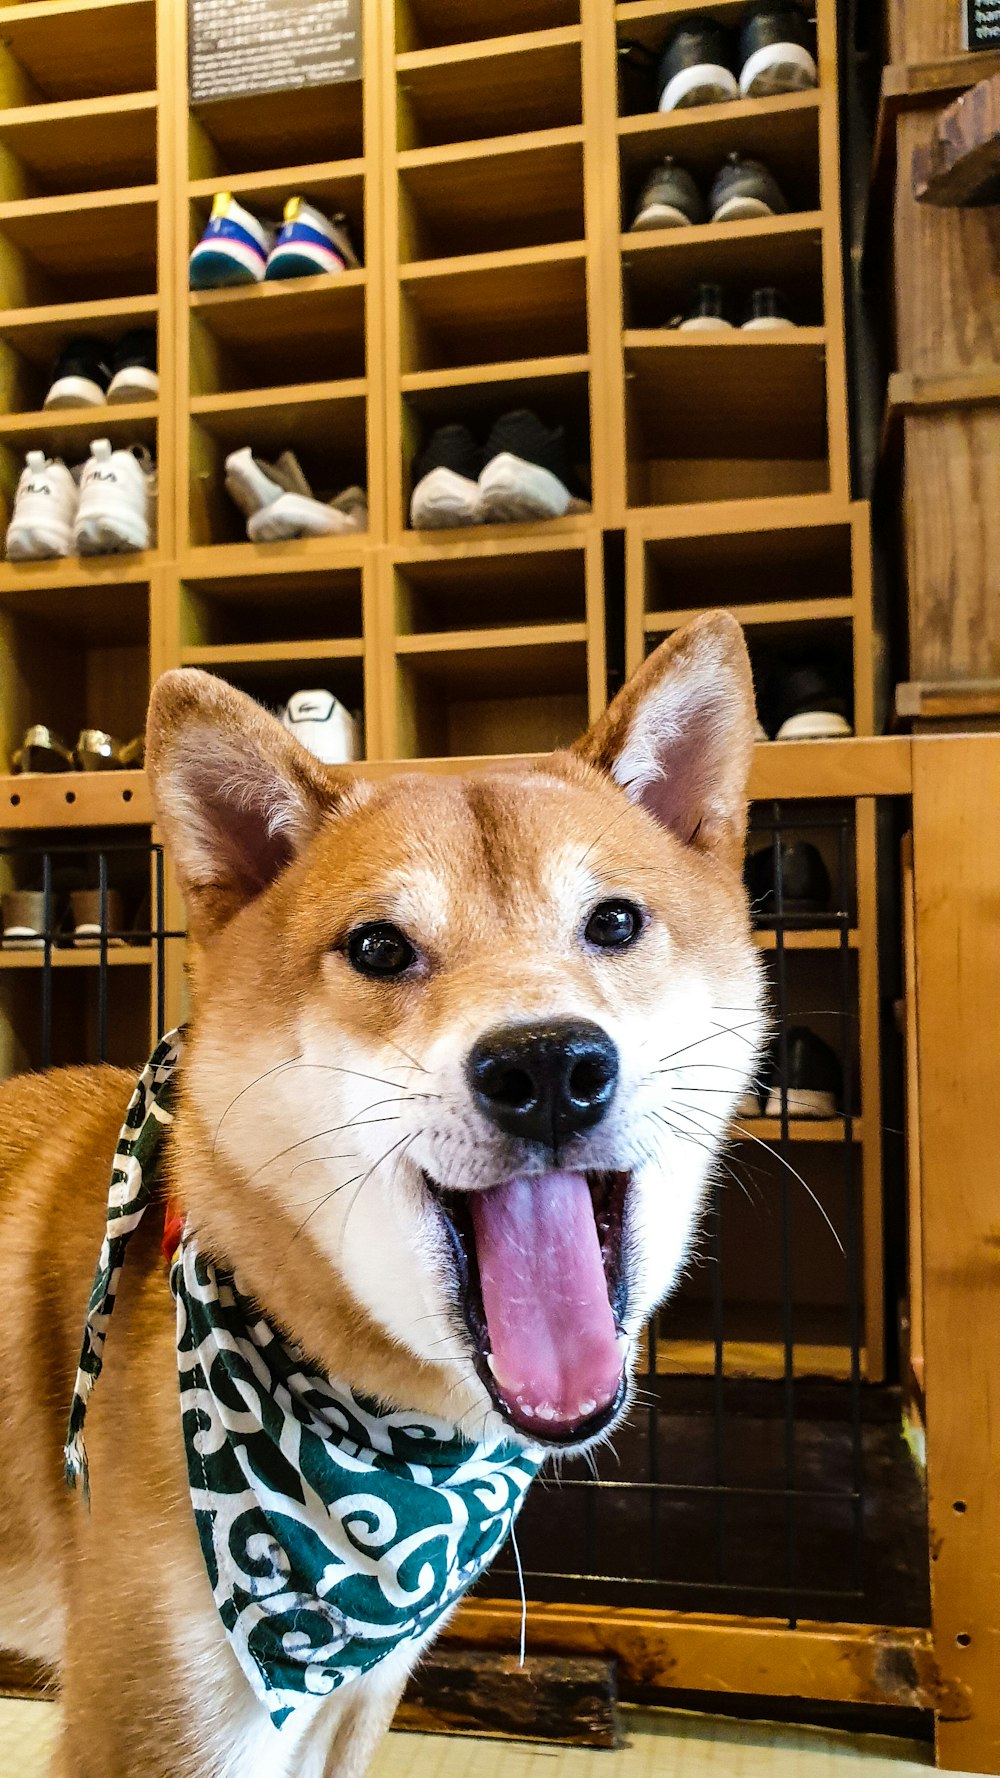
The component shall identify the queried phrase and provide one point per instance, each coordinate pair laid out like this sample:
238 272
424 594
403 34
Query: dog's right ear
235 796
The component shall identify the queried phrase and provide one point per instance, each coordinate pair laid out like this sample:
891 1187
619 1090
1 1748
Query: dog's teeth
586 1408
545 1412
491 1362
526 1409
623 1343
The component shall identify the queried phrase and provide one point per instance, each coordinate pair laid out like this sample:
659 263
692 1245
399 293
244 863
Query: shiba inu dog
462 1052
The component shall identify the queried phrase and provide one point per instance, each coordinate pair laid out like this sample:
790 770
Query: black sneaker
706 313
81 374
815 1081
810 703
445 480
743 189
777 51
669 198
526 472
804 879
767 311
697 65
133 366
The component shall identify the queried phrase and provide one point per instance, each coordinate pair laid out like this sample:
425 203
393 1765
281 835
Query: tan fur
313 1101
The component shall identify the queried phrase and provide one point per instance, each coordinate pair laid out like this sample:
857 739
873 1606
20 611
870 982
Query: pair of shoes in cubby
43 750
803 699
520 474
81 919
105 506
704 62
237 248
323 726
87 374
711 308
742 191
278 503
811 1084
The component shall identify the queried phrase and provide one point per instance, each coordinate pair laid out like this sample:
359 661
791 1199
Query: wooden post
956 793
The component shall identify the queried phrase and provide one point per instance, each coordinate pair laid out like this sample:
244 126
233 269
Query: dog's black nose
544 1082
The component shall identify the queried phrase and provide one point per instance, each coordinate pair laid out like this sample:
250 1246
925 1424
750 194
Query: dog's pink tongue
555 1353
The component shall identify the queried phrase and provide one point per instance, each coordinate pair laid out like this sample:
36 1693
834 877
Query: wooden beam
956 862
961 163
943 699
459 1691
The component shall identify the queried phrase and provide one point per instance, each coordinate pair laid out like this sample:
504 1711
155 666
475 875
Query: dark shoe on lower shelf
93 914
81 374
697 65
669 199
134 375
767 312
804 879
811 703
744 190
526 473
446 480
706 312
777 51
814 1083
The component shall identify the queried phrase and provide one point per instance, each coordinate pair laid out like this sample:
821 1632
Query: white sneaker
324 727
45 507
443 498
299 515
117 511
254 483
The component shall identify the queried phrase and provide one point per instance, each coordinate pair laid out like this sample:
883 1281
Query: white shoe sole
441 498
22 938
111 529
802 1102
293 515
705 324
778 68
766 324
814 725
38 543
88 938
661 216
735 209
74 392
513 491
135 383
707 84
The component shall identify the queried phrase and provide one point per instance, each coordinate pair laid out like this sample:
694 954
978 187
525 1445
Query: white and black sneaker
814 1082
706 313
767 312
697 65
669 198
809 704
324 727
81 374
45 508
134 375
777 52
117 510
744 189
446 480
526 473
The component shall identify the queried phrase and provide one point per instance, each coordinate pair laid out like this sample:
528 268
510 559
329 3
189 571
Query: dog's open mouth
540 1268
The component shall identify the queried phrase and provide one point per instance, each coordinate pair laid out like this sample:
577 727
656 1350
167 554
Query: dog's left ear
679 736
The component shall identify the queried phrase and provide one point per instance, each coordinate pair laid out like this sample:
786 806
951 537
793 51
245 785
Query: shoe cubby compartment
72 49
272 675
521 192
504 86
783 132
102 245
309 127
434 24
662 268
468 693
483 587
303 330
323 423
648 23
725 416
333 186
30 342
793 570
316 611
74 641
81 145
462 315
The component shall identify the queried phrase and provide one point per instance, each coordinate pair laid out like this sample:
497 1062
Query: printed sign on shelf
239 47
982 24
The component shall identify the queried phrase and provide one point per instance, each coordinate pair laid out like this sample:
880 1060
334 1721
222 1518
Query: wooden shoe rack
488 164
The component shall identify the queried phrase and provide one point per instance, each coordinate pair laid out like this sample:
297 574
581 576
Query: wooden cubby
488 164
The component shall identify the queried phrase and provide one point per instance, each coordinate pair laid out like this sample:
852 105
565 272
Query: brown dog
526 1003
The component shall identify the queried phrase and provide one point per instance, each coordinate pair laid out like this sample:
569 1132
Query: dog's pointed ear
679 736
234 795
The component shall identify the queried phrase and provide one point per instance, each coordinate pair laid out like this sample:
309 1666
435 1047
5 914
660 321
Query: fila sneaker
446 480
81 374
254 483
669 198
777 51
300 515
308 243
133 367
45 508
324 727
117 510
233 249
697 65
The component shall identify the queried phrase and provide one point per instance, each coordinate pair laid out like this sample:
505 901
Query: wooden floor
660 1744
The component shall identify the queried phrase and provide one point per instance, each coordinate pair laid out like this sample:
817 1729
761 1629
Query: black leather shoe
805 880
815 1080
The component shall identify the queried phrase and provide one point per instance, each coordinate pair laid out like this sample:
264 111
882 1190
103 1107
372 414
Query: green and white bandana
333 1530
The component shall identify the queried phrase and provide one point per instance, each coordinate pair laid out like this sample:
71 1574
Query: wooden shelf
75 799
539 370
315 324
265 131
662 266
271 654
531 82
801 1129
78 143
85 247
791 611
324 181
470 197
63 430
501 663
427 24
96 612
78 49
76 573
38 333
272 419
783 131
814 939
117 956
648 21
458 311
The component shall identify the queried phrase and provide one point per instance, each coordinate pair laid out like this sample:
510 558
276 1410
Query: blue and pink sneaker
309 244
234 248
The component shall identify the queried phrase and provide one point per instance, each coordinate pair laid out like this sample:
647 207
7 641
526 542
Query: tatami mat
661 1743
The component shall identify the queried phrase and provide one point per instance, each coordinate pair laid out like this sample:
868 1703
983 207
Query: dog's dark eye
613 925
380 949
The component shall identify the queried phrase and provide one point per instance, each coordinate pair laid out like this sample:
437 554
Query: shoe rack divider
489 179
